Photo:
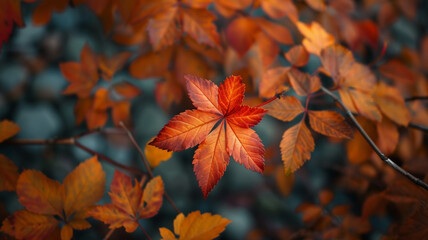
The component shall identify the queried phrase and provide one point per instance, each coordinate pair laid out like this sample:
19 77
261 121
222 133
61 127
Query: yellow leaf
156 155
196 226
39 194
66 232
8 174
84 186
152 198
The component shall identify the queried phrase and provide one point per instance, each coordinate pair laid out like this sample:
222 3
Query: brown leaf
8 129
330 123
8 174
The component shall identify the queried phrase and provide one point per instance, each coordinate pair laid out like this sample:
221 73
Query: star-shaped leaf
232 137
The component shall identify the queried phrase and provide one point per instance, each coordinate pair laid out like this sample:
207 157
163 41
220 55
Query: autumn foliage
271 84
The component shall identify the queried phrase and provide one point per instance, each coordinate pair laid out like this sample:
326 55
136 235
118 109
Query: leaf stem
146 164
144 231
382 156
268 101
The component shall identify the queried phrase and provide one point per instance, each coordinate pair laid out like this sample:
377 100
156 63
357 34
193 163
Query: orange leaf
43 12
115 217
211 159
358 149
318 5
155 155
78 221
203 93
8 129
296 147
395 70
303 83
24 224
82 108
162 28
109 66
388 135
39 194
66 232
325 197
152 198
152 64
280 8
354 80
272 81
245 146
227 8
8 174
330 123
246 117
127 90
316 38
84 186
196 226
240 34
297 56
123 195
267 49
82 76
285 108
129 203
340 210
192 127
185 130
96 119
284 182
101 100
10 13
121 112
198 23
275 31
391 103
310 212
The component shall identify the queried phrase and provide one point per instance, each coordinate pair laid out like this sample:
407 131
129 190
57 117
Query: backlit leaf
285 108
296 147
303 83
316 38
330 123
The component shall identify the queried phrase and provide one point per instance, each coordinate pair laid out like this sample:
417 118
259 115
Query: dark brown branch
409 99
419 127
73 141
382 156
146 164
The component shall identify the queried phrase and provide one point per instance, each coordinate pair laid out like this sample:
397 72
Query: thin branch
382 156
108 235
409 99
73 141
146 164
144 231
419 127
